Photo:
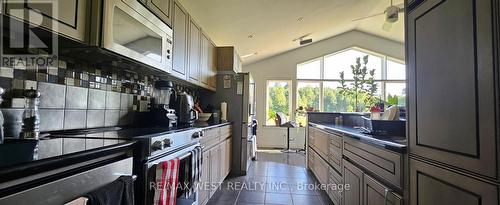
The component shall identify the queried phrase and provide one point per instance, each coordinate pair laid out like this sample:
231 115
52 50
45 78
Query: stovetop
117 132
58 144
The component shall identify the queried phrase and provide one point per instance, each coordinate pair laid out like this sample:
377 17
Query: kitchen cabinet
214 167
223 163
375 193
70 21
457 130
431 184
228 59
383 163
194 52
227 157
203 191
216 156
161 8
180 32
369 170
204 60
336 179
212 56
354 177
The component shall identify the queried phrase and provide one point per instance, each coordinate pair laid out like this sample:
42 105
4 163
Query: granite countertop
394 143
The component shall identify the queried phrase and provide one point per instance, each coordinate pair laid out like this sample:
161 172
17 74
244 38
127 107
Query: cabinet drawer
225 131
383 163
335 179
335 152
322 142
321 169
310 158
310 136
210 138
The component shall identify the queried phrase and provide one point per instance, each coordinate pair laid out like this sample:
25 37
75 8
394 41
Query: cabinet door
204 192
451 81
433 185
194 52
214 167
212 58
223 150
70 20
162 9
228 155
181 28
354 177
375 193
204 67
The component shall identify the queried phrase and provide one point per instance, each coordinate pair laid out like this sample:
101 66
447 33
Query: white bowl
204 116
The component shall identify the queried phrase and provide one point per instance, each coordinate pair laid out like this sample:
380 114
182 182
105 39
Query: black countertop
55 147
394 143
212 125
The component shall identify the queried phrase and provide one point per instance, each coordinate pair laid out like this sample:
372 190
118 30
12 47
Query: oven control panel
164 143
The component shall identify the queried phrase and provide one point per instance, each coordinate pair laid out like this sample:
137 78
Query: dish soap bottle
31 115
1 117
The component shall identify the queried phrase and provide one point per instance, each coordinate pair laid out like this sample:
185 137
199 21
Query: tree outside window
278 100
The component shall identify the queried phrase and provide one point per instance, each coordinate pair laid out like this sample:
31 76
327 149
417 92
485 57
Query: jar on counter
1 117
31 115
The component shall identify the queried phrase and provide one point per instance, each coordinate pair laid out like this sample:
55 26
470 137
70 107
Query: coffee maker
163 115
184 105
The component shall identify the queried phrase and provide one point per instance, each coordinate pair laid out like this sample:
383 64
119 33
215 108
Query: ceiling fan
391 15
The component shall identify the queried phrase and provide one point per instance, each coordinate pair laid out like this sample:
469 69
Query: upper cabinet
162 8
194 52
180 51
451 81
208 63
66 17
204 63
228 59
212 58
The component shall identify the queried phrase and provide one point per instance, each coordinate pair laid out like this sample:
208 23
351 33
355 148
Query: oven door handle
185 156
184 153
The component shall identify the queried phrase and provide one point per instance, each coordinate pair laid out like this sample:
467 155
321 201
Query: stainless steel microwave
131 30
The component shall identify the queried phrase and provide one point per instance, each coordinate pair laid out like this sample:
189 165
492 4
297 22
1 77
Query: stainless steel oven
131 30
185 158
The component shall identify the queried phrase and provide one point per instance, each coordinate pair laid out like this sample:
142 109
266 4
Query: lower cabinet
353 176
364 189
376 193
203 192
431 184
216 162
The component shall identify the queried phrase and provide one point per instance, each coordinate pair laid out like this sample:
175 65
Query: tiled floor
276 178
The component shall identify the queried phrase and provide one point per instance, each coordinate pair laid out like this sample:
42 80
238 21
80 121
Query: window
319 85
279 99
310 70
308 97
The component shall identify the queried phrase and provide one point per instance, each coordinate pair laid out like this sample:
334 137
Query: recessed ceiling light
248 55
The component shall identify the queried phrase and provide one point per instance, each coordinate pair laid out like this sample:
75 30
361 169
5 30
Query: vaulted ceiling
268 27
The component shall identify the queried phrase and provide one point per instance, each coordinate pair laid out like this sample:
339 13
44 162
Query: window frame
290 98
383 81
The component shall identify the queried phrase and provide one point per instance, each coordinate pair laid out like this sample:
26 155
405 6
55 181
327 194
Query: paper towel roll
223 110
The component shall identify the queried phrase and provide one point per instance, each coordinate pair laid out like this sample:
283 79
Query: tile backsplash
76 95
